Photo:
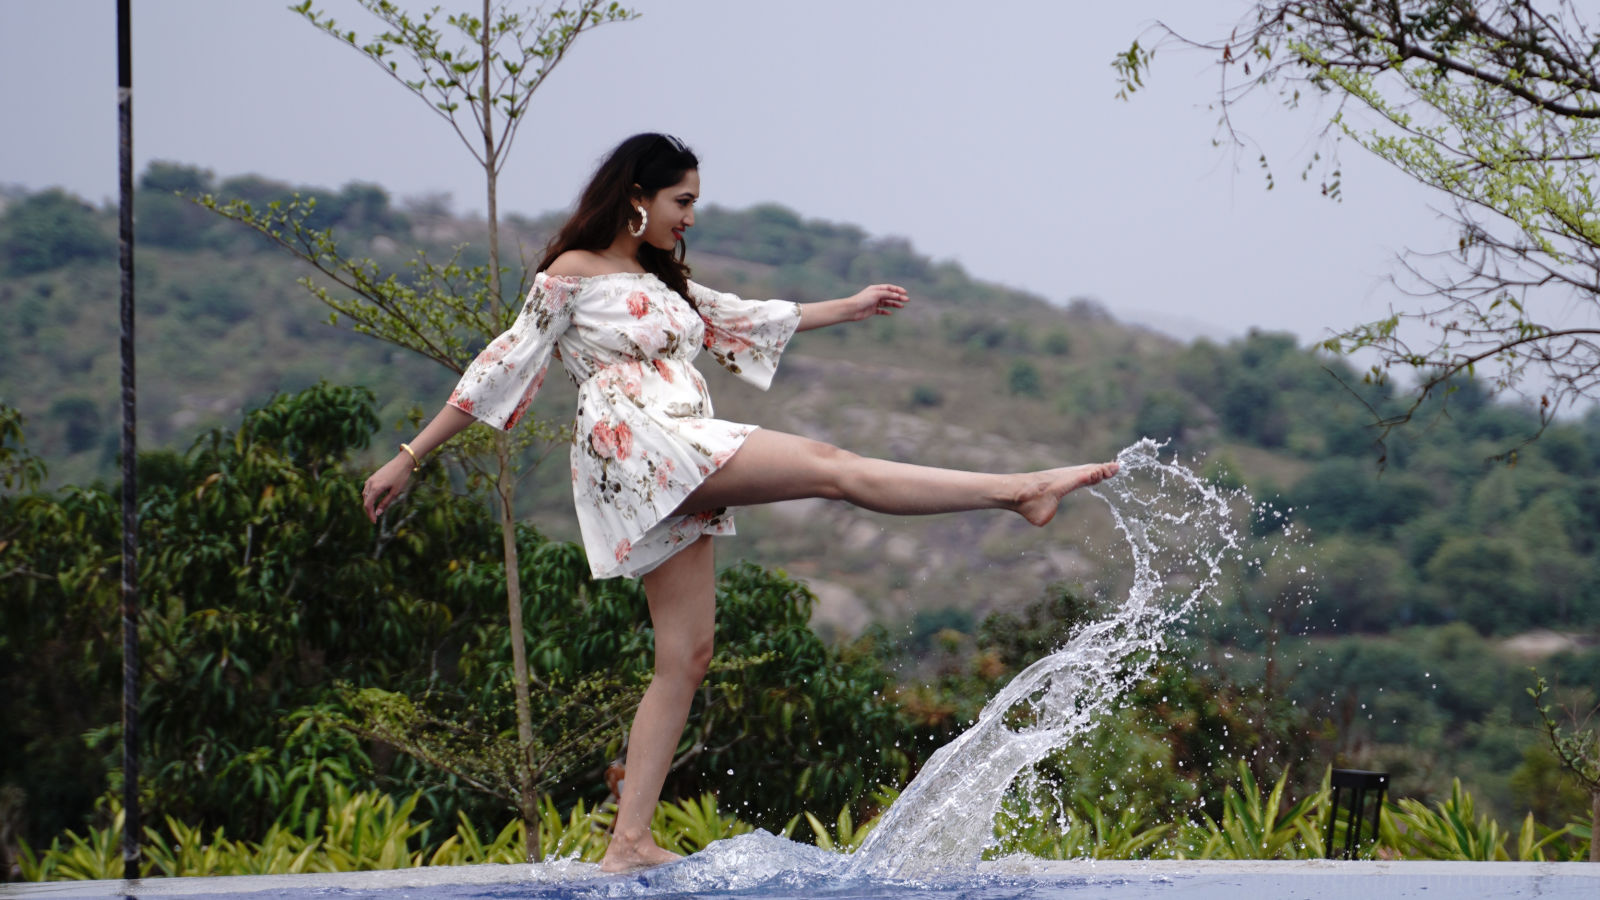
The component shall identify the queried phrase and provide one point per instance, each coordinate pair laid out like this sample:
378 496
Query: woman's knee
685 661
835 470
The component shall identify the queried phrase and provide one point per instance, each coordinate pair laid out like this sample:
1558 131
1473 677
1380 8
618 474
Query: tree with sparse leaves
1578 748
478 74
1496 105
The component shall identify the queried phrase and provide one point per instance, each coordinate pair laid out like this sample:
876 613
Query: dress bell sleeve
500 383
746 337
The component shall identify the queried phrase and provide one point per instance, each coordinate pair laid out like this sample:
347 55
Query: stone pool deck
1101 880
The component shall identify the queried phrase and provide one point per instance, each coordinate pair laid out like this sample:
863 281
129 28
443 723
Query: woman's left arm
876 300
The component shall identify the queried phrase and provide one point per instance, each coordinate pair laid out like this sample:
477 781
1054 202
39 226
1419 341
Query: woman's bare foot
631 855
1037 501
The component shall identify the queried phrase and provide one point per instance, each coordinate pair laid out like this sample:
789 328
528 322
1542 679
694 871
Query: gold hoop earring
644 219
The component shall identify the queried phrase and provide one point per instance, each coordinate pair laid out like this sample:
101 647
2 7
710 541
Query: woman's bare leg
773 466
682 597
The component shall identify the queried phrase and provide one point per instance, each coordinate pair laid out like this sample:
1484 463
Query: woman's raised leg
682 595
773 466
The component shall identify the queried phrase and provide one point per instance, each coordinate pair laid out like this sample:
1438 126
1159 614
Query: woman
653 472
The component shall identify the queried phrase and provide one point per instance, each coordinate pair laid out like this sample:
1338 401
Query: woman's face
671 211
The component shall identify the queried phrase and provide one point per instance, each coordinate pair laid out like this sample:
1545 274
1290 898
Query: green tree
165 218
1496 105
1577 746
49 229
1023 379
275 615
1164 415
1363 585
1484 581
19 469
481 89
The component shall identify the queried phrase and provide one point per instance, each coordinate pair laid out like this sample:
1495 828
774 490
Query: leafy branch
578 718
1495 104
1577 746
464 80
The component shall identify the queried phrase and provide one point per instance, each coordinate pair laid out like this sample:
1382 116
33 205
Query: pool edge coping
511 873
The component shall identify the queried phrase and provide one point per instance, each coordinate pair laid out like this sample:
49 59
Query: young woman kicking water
653 473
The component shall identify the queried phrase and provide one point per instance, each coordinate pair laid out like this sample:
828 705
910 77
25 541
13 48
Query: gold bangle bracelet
415 463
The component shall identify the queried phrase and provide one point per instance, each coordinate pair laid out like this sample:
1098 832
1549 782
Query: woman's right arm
495 389
387 483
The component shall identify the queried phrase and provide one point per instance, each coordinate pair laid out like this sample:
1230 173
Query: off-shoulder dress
644 437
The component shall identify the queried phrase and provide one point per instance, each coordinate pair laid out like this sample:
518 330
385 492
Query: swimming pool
764 867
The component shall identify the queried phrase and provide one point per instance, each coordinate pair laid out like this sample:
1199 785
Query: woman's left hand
876 300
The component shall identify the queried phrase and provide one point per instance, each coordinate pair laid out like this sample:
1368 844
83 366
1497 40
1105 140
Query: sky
989 134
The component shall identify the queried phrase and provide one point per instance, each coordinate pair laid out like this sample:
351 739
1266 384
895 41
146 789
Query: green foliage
1257 827
1449 831
20 470
1364 585
266 590
1083 831
924 395
797 723
1380 542
1485 581
582 834
362 831
83 421
442 311
573 720
1023 379
692 824
846 836
528 46
1349 495
494 75
49 229
1163 415
369 830
1577 748
1490 103
357 831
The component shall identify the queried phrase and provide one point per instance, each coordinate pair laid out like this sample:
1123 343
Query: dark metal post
130 488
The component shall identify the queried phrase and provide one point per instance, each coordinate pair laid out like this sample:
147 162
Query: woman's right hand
385 485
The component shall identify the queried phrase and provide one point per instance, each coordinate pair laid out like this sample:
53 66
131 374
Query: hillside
972 375
1446 560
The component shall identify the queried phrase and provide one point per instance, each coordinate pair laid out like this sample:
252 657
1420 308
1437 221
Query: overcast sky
985 133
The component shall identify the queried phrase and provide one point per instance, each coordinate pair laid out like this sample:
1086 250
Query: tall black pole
130 492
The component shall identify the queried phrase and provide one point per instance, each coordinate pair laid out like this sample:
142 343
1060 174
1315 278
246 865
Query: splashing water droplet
1178 529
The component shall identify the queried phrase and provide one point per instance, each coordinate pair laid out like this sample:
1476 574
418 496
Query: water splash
1178 529
759 866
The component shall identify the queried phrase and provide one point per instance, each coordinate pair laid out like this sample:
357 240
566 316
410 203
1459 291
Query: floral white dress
644 437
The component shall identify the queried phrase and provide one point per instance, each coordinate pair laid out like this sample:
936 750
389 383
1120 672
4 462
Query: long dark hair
651 161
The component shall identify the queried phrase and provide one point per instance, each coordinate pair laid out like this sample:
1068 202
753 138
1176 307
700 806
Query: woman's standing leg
682 595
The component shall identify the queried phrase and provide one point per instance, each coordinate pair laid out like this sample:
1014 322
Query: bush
49 229
924 395
1023 379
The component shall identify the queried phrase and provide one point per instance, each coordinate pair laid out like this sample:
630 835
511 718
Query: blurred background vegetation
1390 623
